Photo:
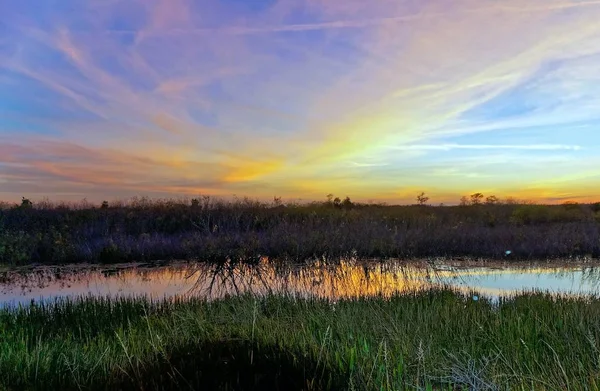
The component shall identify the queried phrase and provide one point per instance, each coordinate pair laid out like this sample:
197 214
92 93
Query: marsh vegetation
432 339
244 230
336 326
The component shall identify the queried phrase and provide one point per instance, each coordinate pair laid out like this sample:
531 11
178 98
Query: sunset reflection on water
346 279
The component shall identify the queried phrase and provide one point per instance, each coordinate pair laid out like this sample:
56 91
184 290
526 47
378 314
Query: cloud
101 169
297 97
449 147
357 164
177 16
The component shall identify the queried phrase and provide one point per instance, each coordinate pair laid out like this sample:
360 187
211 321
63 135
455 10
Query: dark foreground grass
213 230
430 340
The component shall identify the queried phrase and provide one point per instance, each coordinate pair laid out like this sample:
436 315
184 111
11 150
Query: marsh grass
216 230
434 339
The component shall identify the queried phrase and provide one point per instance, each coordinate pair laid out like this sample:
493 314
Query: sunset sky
377 100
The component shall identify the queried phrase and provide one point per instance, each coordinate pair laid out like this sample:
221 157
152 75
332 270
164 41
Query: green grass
428 340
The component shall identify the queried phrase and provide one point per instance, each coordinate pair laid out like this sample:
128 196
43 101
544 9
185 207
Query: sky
377 100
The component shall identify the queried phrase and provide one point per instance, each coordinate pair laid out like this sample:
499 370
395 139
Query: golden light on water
346 279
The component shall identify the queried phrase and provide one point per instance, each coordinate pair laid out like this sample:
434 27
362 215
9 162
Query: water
345 280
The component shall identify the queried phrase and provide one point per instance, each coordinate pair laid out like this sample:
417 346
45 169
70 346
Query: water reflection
348 279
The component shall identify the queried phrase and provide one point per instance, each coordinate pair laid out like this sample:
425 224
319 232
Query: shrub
15 247
26 203
110 253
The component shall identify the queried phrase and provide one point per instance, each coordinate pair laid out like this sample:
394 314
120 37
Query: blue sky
376 100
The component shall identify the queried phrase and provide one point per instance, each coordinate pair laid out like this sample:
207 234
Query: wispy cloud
359 164
359 22
449 147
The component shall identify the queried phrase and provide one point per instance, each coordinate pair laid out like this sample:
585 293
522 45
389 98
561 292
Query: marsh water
347 279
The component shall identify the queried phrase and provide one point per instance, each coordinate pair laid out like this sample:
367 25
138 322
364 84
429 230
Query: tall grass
434 339
244 229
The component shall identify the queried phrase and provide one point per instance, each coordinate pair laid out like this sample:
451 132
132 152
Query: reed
434 339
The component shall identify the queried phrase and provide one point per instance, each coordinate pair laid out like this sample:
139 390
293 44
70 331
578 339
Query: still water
347 279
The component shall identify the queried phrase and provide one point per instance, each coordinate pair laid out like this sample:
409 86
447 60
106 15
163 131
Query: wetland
252 296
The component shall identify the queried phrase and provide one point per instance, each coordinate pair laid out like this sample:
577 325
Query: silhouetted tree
422 199
476 198
464 201
491 200
347 203
337 202
329 199
104 205
26 203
